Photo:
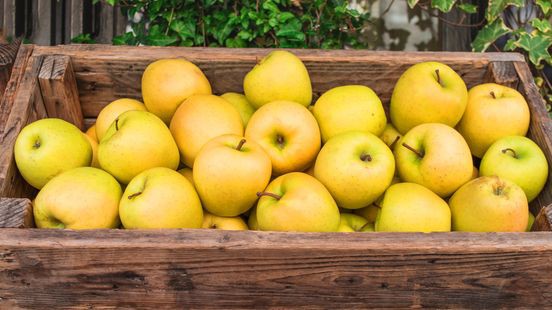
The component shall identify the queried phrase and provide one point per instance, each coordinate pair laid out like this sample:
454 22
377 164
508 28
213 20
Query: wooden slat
543 221
503 73
74 12
41 22
27 106
16 213
88 122
107 24
540 129
8 52
59 89
219 270
105 73
8 23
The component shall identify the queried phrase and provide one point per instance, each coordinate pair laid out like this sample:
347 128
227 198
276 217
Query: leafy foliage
247 23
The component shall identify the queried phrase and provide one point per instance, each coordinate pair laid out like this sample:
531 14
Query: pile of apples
272 160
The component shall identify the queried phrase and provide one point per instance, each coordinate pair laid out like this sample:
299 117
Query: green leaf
510 45
185 29
542 25
161 40
490 33
545 5
411 3
537 46
443 5
468 8
496 7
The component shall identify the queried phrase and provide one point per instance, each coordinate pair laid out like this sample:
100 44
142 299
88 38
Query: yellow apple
475 173
410 207
166 83
370 212
47 147
349 108
241 104
252 219
137 141
188 173
94 163
489 204
435 156
297 202
356 167
91 132
278 76
352 223
160 198
493 111
228 173
111 111
288 133
212 221
390 136
427 92
530 222
80 198
199 119
519 160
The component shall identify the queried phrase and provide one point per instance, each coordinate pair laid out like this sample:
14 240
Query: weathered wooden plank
74 11
42 22
540 129
8 23
452 37
105 73
543 221
107 24
216 269
503 73
88 122
8 52
27 106
16 213
59 89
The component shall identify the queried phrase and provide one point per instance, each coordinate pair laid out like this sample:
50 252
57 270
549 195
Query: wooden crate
222 269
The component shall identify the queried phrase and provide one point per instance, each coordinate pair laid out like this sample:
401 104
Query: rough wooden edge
8 53
543 221
58 86
26 106
240 54
503 73
16 213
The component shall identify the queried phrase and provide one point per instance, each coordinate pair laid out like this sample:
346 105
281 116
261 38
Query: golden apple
111 111
212 221
188 173
390 136
94 163
241 104
91 132
354 223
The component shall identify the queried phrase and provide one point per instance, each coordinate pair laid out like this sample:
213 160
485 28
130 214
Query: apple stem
511 150
438 77
134 195
413 150
365 157
277 197
493 94
242 142
117 124
396 140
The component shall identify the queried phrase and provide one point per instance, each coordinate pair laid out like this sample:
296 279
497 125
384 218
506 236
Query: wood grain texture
16 213
59 89
543 221
503 73
42 25
540 129
218 269
27 106
105 73
8 22
8 53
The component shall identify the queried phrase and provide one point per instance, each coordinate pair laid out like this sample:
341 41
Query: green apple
137 141
212 221
410 207
160 198
166 83
349 108
530 222
489 204
493 111
228 173
252 219
390 136
199 119
111 111
297 202
351 223
428 92
278 76
47 147
519 160
288 133
241 104
435 156
356 167
80 198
